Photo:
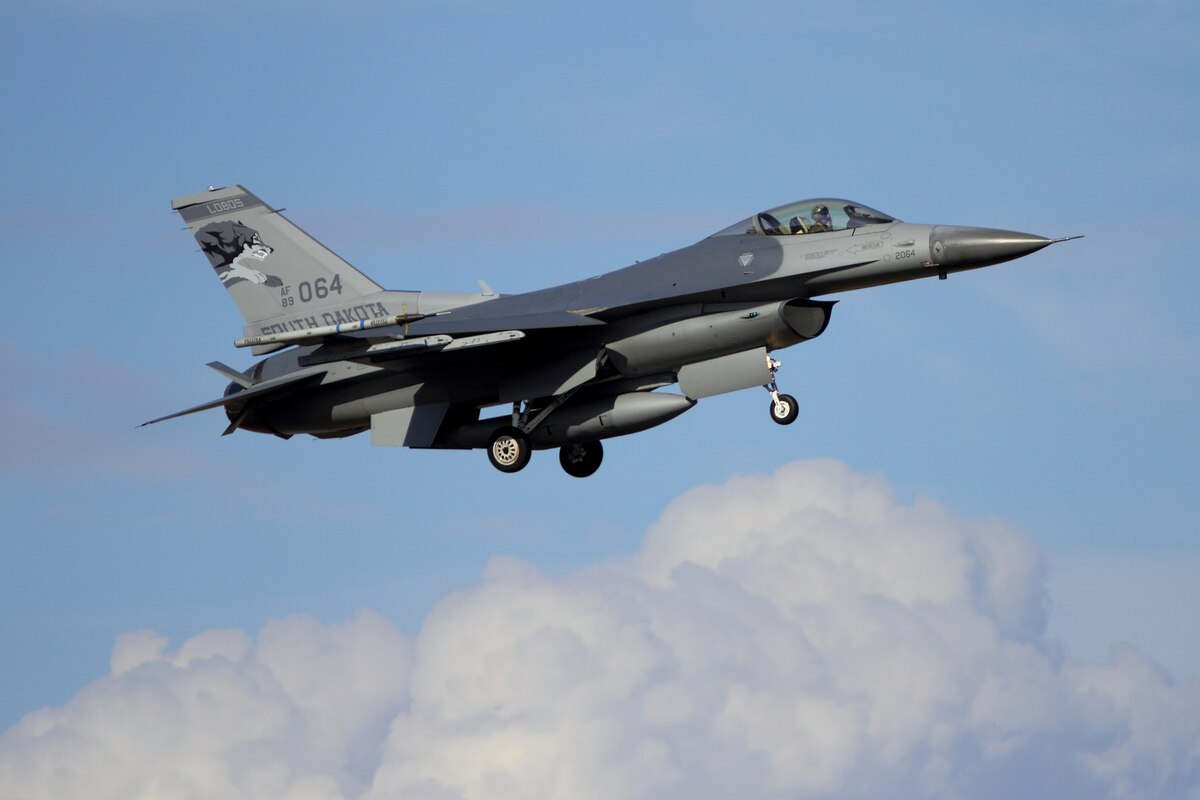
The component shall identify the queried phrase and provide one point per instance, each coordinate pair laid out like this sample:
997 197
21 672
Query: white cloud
799 634
292 715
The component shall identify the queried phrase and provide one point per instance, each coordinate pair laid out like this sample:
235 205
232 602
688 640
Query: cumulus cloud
297 714
802 634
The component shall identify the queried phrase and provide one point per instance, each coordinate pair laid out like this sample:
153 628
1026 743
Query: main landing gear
784 408
509 448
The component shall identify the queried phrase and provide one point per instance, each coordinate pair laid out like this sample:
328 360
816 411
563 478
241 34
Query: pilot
821 220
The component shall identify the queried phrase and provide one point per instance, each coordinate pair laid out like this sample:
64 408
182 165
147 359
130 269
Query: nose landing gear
784 408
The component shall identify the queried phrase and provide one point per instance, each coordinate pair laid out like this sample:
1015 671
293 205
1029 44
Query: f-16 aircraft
576 363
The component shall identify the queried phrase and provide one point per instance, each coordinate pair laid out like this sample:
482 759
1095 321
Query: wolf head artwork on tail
234 250
280 277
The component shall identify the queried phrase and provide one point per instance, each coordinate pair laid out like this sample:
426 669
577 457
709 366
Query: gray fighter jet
577 363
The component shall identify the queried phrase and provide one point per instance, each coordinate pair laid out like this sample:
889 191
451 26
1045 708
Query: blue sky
528 144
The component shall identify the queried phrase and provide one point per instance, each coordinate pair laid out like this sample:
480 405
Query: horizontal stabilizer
277 386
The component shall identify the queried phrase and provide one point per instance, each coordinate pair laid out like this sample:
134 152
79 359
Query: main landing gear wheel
784 410
509 449
581 459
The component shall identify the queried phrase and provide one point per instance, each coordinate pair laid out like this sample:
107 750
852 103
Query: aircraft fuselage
578 362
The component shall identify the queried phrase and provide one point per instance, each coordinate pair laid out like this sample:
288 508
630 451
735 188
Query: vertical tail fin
269 266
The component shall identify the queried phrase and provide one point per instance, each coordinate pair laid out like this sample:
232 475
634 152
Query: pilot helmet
820 211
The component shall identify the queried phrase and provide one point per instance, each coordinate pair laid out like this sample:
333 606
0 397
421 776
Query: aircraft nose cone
955 248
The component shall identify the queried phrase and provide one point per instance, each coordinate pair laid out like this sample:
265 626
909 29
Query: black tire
788 405
581 459
508 449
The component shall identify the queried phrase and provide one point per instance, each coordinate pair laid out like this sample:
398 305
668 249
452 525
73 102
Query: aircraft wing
272 388
468 327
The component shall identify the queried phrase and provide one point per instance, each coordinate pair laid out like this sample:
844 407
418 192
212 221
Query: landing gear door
725 374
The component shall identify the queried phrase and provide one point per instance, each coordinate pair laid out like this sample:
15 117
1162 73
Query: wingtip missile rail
310 334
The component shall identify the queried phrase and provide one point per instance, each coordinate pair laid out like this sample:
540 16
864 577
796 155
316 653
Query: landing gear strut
581 459
784 408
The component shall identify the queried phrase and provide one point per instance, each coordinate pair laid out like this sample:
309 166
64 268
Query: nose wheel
784 408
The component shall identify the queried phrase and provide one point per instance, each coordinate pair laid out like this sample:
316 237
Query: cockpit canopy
808 216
